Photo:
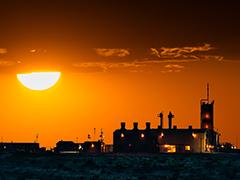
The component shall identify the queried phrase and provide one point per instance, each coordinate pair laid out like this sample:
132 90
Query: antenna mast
94 133
36 138
208 92
101 136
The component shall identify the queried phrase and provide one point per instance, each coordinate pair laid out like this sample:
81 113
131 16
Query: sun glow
39 80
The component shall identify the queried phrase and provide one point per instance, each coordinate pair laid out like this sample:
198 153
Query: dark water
113 166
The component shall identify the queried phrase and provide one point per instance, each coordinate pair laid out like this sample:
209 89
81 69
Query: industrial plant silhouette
171 139
148 140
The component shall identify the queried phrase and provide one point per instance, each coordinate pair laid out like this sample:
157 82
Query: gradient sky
120 61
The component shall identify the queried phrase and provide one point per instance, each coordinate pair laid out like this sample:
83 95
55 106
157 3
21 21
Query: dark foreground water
112 166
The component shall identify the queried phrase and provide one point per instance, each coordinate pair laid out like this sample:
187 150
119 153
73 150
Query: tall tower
207 109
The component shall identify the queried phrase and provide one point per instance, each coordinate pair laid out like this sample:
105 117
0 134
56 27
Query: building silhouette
15 147
66 147
171 139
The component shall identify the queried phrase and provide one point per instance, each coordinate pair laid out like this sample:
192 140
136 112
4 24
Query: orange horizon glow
80 102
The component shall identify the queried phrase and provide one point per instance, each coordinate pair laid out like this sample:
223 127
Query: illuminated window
161 135
187 148
169 148
142 135
92 145
122 135
209 148
206 126
207 116
194 135
79 147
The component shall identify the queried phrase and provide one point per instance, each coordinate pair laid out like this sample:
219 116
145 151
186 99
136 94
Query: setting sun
39 80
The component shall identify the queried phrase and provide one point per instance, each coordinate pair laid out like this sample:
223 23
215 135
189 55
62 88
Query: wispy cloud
117 52
167 59
171 71
212 57
177 66
172 68
155 52
3 50
107 66
5 63
183 53
133 66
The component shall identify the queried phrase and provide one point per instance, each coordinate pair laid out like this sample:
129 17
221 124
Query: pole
208 92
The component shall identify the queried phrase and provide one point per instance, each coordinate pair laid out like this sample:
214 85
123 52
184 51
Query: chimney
174 127
135 125
148 125
123 125
161 119
170 117
189 127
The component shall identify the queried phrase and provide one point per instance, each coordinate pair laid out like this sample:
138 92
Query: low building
15 147
71 147
66 147
92 147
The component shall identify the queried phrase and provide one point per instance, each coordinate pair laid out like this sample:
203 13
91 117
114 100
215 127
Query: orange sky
120 61
82 101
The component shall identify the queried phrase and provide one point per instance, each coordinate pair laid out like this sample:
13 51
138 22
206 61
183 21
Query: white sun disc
39 80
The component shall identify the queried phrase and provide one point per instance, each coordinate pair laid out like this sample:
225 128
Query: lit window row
161 135
142 135
81 148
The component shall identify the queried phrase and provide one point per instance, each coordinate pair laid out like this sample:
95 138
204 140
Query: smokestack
123 124
148 125
170 117
161 120
135 125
